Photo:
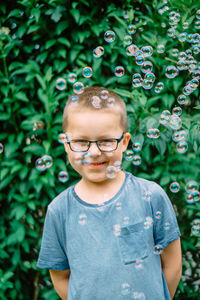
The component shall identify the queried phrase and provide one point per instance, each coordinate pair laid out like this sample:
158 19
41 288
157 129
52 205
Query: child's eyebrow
83 137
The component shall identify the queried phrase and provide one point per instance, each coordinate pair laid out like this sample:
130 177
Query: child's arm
172 265
60 281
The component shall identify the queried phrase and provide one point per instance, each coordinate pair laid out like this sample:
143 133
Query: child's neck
93 192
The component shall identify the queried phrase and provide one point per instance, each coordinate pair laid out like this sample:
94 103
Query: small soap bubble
147 51
158 215
174 187
119 71
177 111
138 264
196 226
82 219
137 146
153 133
193 197
63 176
87 158
182 56
127 40
62 138
182 147
165 117
181 99
147 67
126 220
137 80
185 25
138 296
139 60
98 51
159 87
150 77
148 223
131 29
158 249
131 50
182 37
61 84
1 148
39 164
182 65
109 36
139 53
110 101
171 72
196 50
111 172
197 24
118 206
175 52
190 38
161 48
198 14
78 87
116 229
191 186
128 155
71 77
187 90
78 159
104 94
179 136
166 226
147 84
125 289
87 72
175 122
47 160
136 160
118 165
96 101
74 99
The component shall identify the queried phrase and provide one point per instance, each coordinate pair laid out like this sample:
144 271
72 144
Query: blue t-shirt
112 249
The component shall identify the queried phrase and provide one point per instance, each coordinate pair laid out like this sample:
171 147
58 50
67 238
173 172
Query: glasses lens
107 145
79 145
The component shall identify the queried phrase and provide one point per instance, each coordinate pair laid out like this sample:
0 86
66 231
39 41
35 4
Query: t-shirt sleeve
165 226
52 252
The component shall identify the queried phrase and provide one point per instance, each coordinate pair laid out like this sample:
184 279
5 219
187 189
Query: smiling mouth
97 164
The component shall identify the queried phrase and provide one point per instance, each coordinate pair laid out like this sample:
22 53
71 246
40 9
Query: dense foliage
42 41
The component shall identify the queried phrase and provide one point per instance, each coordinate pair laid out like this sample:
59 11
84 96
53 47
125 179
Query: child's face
92 126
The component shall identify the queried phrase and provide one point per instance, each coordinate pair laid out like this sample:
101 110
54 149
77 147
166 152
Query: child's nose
94 150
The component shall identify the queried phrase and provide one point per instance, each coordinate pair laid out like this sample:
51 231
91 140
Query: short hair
108 100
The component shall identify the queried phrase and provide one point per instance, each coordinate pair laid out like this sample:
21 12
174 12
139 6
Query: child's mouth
97 165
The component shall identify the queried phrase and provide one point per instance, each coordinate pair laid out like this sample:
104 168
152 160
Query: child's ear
126 140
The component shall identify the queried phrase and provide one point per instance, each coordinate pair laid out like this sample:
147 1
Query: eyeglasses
106 145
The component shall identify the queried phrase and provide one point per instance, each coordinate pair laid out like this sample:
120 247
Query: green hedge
42 41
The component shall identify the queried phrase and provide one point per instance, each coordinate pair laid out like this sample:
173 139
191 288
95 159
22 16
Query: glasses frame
96 142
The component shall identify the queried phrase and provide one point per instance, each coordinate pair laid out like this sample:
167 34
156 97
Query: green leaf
34 148
21 96
41 81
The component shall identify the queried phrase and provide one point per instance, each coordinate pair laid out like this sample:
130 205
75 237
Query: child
112 235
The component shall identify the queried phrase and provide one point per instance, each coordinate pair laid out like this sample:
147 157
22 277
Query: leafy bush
42 41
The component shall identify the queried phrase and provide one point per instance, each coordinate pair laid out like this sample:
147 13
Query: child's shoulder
144 184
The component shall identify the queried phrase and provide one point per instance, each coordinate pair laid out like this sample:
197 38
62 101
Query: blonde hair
84 101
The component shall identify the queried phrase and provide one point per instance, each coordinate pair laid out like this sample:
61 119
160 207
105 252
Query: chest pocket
132 242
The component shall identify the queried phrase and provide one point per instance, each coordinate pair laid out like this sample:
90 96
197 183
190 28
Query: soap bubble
158 215
74 99
185 25
153 133
117 229
127 39
179 136
78 87
197 24
1 148
190 38
182 65
196 226
87 158
174 187
109 36
111 172
191 186
131 29
138 296
158 249
104 95
61 84
161 48
62 138
40 166
71 77
98 51
96 101
118 165
119 71
137 80
128 155
63 176
198 14
171 72
177 111
187 90
147 51
182 37
175 122
175 52
148 223
159 87
110 101
125 289
136 160
192 197
87 72
181 99
147 67
131 50
139 60
150 77
47 160
137 146
182 147
165 117
82 220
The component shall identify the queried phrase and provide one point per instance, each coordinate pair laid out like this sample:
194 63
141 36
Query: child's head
98 115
